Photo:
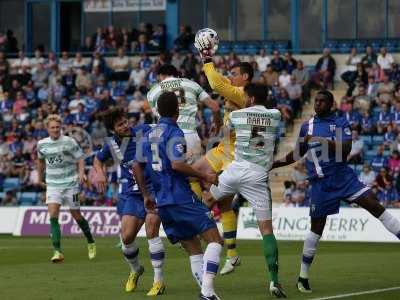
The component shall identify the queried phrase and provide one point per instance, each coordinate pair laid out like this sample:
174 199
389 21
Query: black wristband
207 60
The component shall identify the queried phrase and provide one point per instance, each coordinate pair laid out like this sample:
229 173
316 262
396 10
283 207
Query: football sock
390 223
210 267
84 226
55 233
229 225
271 255
196 264
157 255
309 249
196 188
131 255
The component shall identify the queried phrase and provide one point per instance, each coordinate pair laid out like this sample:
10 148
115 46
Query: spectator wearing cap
324 69
379 161
367 176
385 60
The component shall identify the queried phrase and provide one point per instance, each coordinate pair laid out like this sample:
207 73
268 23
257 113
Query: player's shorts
131 205
221 156
63 196
251 181
327 192
182 222
193 146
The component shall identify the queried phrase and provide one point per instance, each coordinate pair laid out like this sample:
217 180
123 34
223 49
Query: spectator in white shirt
64 63
78 63
37 59
74 104
357 146
367 176
137 76
120 66
385 59
284 78
263 61
21 62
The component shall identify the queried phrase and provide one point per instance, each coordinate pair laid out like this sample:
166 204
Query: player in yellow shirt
217 159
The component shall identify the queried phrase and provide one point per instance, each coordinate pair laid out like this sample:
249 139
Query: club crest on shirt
332 128
347 131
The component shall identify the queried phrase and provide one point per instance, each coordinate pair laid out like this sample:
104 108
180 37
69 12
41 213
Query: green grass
26 273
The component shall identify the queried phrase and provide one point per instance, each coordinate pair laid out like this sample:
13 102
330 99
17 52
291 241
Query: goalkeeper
217 159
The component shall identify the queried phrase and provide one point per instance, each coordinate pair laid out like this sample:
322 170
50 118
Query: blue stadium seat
252 48
239 48
360 46
281 46
367 140
376 45
224 48
391 45
344 47
331 45
369 155
28 198
11 183
377 140
268 46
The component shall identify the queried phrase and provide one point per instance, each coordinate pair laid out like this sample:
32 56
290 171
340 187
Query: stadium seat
331 45
268 46
391 45
239 48
367 140
369 155
224 48
360 46
344 47
377 140
281 46
376 45
252 48
28 198
11 183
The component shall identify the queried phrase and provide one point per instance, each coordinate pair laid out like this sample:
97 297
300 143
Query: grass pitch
339 268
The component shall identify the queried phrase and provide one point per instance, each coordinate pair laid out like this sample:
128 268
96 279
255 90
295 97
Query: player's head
241 74
166 71
53 124
256 94
116 121
168 105
323 103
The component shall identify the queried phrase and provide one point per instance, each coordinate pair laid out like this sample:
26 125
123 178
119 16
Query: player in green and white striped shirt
61 159
256 129
190 94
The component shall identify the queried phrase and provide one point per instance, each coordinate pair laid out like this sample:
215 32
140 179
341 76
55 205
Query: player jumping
183 216
326 141
61 158
256 129
217 159
122 149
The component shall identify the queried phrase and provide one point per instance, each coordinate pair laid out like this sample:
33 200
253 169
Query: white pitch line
358 293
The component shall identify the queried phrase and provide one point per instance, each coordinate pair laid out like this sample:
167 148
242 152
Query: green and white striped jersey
61 158
256 130
189 94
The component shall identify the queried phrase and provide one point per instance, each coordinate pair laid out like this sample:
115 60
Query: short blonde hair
52 117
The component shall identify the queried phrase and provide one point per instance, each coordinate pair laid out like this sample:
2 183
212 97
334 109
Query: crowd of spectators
80 88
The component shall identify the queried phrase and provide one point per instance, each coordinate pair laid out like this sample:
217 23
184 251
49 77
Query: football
208 36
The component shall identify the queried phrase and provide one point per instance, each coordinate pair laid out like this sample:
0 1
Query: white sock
157 255
210 268
131 255
390 223
309 249
196 264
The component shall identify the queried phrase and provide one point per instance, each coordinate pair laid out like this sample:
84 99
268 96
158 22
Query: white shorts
251 181
63 196
193 146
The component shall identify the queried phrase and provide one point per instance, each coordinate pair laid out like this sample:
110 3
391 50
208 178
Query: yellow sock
229 225
196 188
